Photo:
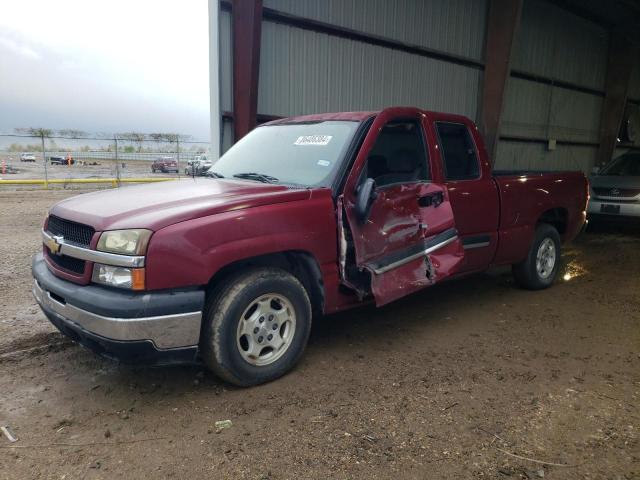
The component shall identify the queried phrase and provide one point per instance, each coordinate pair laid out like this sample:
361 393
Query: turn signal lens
137 279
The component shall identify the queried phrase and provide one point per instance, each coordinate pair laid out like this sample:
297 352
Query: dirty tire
225 306
526 273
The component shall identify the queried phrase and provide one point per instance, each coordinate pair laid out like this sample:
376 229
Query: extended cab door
401 223
466 172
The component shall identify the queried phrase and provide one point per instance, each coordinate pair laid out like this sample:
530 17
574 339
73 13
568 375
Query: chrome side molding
421 253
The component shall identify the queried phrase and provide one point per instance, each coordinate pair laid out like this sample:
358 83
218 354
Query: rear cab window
459 155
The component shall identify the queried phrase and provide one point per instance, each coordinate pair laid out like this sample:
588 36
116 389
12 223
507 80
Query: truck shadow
419 310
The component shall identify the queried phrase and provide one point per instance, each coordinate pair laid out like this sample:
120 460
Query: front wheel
540 268
256 326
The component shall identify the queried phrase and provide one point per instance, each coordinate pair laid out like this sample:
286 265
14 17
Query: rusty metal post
504 19
247 31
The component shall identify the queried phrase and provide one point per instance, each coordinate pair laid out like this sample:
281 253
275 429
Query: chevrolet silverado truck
306 215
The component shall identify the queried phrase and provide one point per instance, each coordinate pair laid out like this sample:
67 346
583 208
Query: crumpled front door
409 241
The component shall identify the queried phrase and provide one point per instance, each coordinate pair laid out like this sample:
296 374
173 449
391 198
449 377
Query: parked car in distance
61 160
27 157
198 166
306 215
164 165
615 190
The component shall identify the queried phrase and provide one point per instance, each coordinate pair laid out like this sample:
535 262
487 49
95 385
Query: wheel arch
557 217
300 264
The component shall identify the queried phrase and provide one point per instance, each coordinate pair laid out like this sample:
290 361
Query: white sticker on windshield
313 140
324 163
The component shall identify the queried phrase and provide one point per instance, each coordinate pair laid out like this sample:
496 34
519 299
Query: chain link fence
63 160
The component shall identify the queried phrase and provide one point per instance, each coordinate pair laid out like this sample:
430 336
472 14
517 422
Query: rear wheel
540 268
256 326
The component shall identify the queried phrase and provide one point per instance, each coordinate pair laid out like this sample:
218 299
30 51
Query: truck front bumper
156 328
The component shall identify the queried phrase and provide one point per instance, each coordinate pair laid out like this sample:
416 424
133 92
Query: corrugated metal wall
452 26
535 156
304 71
558 45
634 87
536 110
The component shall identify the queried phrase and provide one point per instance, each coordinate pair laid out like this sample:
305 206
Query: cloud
9 45
112 66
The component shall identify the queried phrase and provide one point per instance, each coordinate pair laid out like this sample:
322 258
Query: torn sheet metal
417 274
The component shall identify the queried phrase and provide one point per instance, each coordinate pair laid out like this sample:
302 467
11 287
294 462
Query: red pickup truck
304 215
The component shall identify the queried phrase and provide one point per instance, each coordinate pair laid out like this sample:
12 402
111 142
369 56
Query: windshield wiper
214 174
260 177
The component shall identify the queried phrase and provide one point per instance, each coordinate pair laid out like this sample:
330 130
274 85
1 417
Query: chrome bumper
167 331
627 209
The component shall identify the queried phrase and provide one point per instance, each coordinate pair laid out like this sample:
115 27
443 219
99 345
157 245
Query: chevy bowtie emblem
54 243
614 192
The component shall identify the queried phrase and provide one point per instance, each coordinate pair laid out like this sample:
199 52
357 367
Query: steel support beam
214 80
503 22
622 57
247 31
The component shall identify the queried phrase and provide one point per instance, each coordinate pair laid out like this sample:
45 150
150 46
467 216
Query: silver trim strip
166 331
94 255
470 246
415 256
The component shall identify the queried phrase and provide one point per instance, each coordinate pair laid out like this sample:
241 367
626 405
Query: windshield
301 154
627 165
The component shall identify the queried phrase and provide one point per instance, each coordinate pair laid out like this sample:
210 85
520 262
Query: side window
399 154
458 151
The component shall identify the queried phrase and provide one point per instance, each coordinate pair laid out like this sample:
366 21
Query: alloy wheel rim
266 329
546 258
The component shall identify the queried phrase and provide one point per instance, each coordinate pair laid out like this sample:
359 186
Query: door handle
431 200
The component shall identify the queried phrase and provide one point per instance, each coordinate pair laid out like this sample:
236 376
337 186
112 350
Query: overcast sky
113 66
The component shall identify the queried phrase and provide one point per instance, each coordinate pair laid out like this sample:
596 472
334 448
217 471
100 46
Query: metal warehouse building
551 84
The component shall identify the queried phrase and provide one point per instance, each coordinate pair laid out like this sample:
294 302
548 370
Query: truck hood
157 205
614 181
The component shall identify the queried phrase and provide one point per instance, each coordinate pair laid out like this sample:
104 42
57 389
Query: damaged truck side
303 216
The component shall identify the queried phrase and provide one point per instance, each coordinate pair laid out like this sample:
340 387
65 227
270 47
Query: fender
191 252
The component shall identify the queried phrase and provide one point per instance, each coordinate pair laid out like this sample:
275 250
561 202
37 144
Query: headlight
125 242
120 277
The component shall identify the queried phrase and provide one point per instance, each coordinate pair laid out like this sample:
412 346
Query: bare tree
134 137
72 133
35 131
157 137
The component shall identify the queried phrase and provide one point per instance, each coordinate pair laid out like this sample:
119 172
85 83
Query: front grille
65 262
71 231
616 192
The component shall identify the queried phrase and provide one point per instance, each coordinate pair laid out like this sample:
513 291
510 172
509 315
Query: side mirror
365 196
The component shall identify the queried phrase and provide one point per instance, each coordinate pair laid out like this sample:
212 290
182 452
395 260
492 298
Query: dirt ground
461 381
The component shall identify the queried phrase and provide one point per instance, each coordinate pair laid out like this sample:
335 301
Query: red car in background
164 165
